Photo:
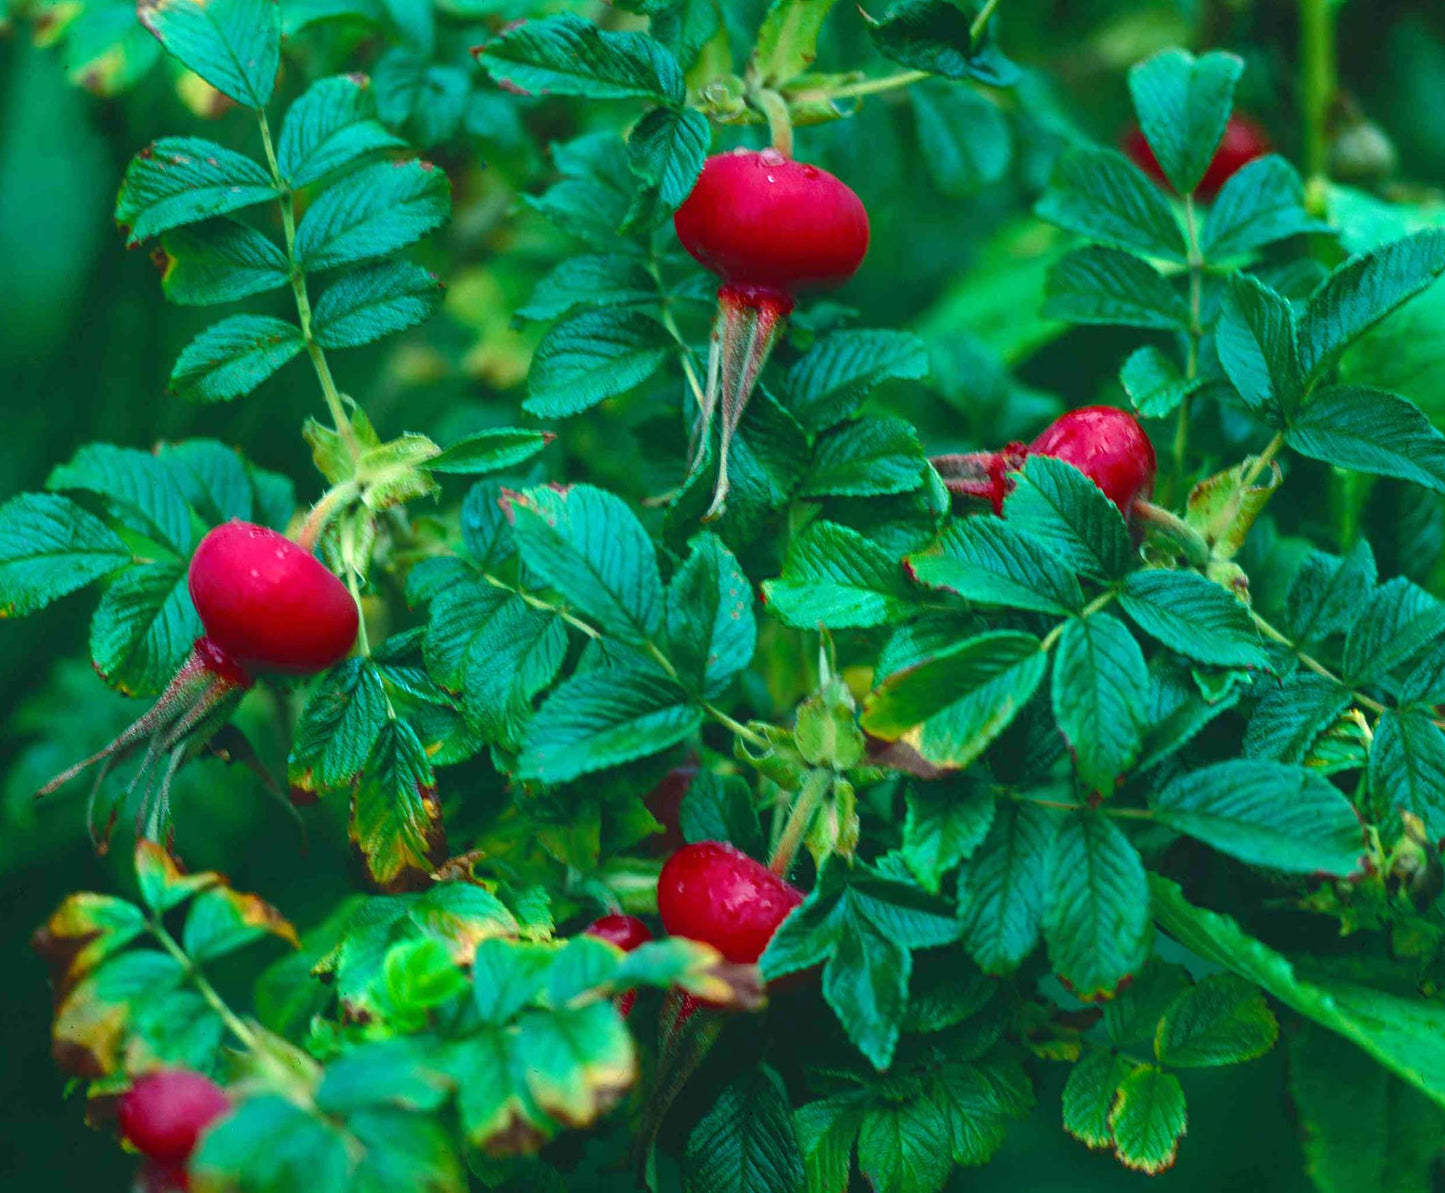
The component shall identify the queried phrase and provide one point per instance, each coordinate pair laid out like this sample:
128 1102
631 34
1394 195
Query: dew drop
771 157
810 172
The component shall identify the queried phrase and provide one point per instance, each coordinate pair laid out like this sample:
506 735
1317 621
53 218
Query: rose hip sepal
715 893
626 932
163 1114
266 605
770 227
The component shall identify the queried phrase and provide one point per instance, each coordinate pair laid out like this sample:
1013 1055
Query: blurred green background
86 345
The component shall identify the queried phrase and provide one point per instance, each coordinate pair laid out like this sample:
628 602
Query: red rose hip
714 893
763 220
164 1113
268 603
1244 140
627 932
1106 445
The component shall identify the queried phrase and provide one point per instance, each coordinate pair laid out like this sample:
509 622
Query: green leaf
935 36
720 808
375 301
605 717
235 45
221 262
945 823
1407 765
593 356
1154 383
989 561
1224 1020
396 820
860 926
1097 922
496 651
270 1143
143 627
338 728
1363 291
490 451
1194 616
965 139
1364 1131
979 1099
591 280
826 1132
1101 195
1004 888
665 150
332 125
903 1147
1400 620
1406 1035
711 630
831 380
1089 1096
1183 104
867 458
221 920
787 42
1371 431
231 358
591 548
1292 715
1064 510
139 489
1267 813
1099 687
566 55
375 211
746 1142
836 577
1328 593
50 547
1259 204
1255 338
180 180
1148 1120
1178 710
1107 286
962 697
1133 1017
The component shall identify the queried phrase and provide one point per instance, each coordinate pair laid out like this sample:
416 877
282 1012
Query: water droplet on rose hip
771 157
810 172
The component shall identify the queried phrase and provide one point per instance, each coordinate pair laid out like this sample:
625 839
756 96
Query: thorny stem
980 22
780 123
203 987
786 848
287 204
1176 529
1318 85
874 86
739 729
1196 332
1065 806
545 606
1313 664
684 353
1263 460
1101 601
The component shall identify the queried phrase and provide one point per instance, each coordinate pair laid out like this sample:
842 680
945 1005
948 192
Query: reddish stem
981 474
